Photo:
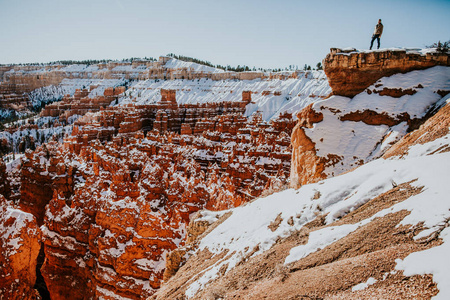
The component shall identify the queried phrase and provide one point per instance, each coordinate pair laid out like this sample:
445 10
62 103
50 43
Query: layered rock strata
12 97
166 115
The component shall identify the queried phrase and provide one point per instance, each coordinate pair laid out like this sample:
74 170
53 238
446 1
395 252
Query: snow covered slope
421 173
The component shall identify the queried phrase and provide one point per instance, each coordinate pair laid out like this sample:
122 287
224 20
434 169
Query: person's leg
378 41
371 42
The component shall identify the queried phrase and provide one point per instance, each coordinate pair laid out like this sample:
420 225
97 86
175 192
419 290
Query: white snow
364 285
319 239
109 294
210 216
38 135
151 265
191 66
431 261
11 236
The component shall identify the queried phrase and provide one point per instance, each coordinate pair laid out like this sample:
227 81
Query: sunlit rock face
350 71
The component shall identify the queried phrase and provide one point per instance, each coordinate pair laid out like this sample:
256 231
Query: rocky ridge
20 242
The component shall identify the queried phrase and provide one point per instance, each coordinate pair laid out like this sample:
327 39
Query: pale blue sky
262 33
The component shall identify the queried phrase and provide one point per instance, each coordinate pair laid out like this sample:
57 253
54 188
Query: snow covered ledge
351 71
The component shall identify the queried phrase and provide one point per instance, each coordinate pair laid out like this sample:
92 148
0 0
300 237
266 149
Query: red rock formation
20 244
306 166
41 173
350 72
111 230
36 189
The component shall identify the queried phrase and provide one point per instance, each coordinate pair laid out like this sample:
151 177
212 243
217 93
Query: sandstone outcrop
37 174
338 134
306 165
350 72
12 97
20 244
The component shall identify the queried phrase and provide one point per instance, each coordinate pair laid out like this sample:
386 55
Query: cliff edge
350 71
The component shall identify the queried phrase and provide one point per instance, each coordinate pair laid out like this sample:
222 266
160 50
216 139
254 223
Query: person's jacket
378 29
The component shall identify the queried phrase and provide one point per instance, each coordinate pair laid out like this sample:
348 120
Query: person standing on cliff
377 34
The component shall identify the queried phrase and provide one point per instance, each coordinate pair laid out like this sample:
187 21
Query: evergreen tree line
83 62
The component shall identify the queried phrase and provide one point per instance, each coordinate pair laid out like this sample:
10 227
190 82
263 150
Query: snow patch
364 285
